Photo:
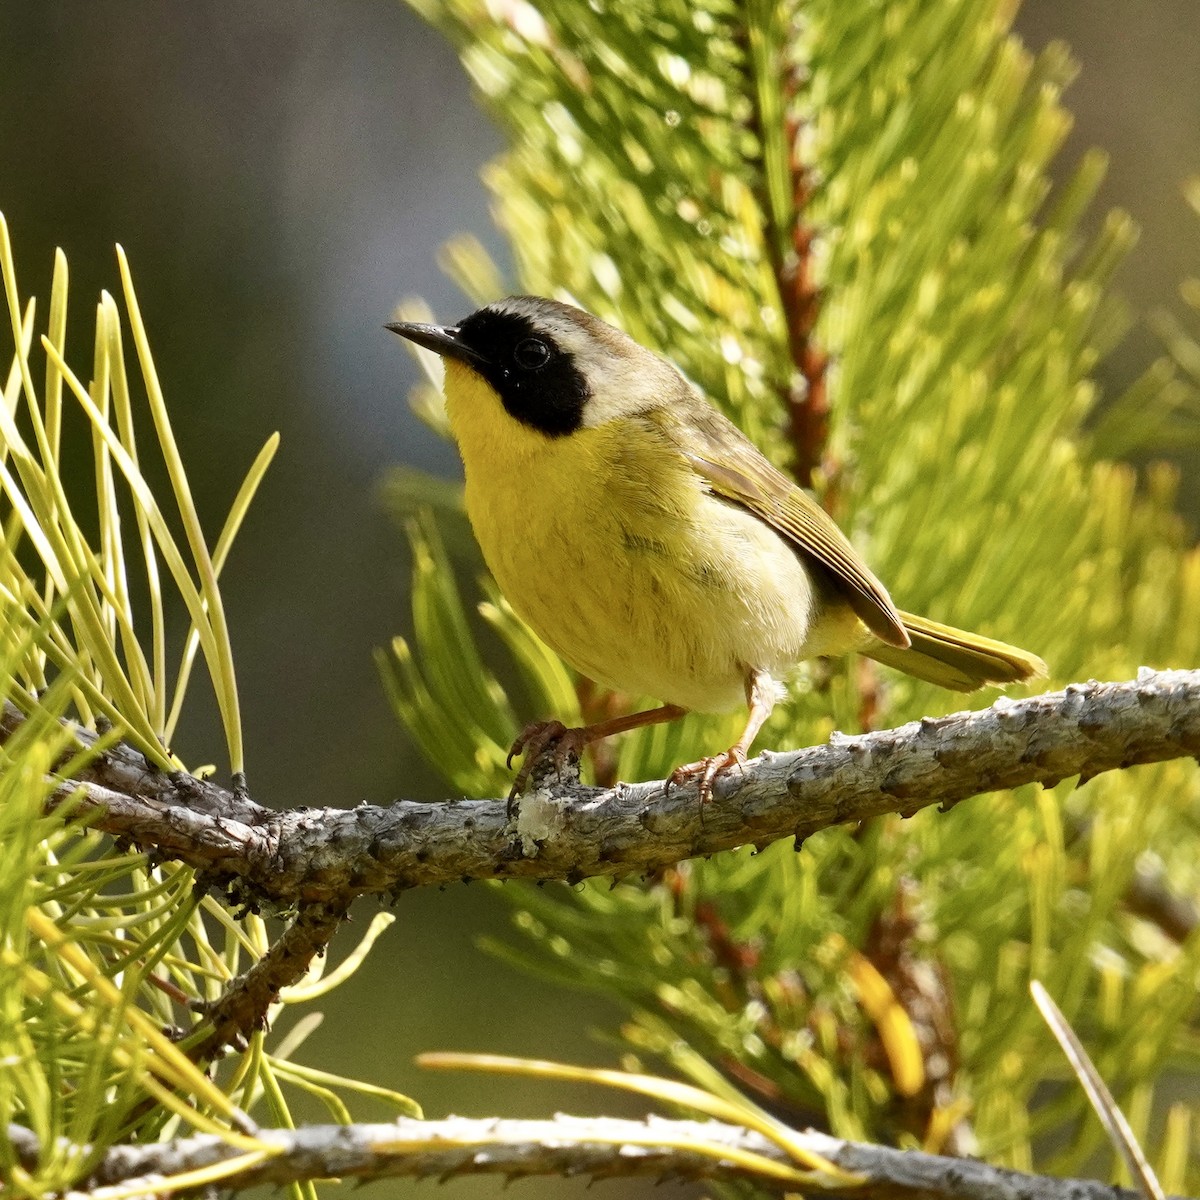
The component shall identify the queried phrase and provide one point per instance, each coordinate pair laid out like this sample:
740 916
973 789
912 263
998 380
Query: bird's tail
953 658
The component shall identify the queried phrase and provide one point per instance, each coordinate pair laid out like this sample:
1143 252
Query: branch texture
315 862
328 856
602 1148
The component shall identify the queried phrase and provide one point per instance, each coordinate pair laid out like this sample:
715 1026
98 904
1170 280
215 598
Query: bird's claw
534 742
704 771
537 735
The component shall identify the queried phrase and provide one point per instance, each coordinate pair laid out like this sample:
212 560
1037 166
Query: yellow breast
613 550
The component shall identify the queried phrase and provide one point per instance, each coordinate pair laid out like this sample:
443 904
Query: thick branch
316 861
602 1148
328 856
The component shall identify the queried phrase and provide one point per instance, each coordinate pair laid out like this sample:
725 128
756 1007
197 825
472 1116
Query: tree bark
300 857
313 862
602 1148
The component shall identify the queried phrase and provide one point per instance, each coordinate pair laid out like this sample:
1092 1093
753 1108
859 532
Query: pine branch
300 857
244 1004
602 1148
318 860
774 83
1150 897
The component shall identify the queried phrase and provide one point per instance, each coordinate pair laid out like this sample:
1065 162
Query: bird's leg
761 694
539 738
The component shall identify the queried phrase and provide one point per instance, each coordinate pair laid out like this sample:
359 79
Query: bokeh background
281 173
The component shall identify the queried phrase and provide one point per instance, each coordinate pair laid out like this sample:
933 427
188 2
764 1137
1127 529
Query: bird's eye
531 354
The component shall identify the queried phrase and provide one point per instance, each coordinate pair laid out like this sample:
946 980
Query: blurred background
281 173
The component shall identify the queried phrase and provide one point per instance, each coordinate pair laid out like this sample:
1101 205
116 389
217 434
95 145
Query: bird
650 543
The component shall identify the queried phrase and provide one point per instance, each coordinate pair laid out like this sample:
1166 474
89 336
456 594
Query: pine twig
602 1148
1119 1131
786 186
566 832
1150 897
243 1006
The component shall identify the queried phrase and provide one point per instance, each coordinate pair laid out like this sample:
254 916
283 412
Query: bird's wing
737 471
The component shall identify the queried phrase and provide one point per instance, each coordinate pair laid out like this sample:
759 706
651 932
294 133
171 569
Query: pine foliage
107 957
669 166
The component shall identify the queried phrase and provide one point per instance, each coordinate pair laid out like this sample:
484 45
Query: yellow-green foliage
964 315
106 959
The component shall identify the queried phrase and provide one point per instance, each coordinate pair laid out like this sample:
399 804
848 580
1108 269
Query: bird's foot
705 770
538 740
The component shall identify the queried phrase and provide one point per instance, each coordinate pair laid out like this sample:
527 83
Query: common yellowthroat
649 543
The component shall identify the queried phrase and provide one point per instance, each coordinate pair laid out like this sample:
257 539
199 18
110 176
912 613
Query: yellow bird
649 543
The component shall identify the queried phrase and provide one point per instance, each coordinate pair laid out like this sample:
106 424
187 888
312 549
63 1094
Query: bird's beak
441 339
